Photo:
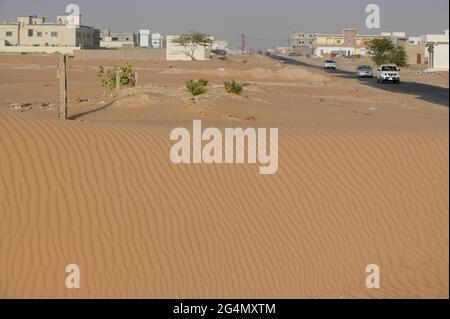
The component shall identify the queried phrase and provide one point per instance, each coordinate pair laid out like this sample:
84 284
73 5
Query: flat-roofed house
438 50
34 34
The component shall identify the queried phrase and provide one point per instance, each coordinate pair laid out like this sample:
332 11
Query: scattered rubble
21 107
46 106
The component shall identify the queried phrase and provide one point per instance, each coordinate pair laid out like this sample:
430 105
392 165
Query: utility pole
243 43
62 87
118 79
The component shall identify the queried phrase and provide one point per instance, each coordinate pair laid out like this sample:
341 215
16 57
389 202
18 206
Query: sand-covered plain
362 179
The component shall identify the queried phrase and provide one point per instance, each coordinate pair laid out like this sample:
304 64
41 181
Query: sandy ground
362 179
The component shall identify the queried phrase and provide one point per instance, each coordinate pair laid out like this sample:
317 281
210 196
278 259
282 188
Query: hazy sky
268 22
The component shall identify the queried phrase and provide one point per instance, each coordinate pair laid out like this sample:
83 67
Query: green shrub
233 87
197 87
108 78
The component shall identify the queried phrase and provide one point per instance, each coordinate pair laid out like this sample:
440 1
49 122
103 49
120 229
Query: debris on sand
46 106
241 117
21 107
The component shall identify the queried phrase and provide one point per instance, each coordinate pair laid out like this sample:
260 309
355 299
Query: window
338 41
9 33
30 32
54 34
39 34
114 39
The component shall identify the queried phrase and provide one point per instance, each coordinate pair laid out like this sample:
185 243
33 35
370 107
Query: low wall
31 49
122 54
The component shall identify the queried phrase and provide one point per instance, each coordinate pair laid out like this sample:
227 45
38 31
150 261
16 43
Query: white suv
388 72
329 64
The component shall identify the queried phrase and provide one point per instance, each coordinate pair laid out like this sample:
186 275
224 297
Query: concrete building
219 45
416 53
157 41
176 52
346 44
438 50
398 38
117 40
34 34
415 40
144 38
303 43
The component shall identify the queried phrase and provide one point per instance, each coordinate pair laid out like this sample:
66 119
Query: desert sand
362 179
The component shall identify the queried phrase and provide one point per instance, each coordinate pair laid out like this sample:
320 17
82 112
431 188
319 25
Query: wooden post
62 87
118 81
136 79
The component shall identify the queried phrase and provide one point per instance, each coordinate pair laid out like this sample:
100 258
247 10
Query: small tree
191 41
380 50
108 78
398 56
384 51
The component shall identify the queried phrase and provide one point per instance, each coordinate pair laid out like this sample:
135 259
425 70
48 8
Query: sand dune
286 73
109 199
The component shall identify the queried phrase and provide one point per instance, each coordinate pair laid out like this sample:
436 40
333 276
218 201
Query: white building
344 51
394 34
116 40
144 38
176 52
415 40
438 51
219 45
157 41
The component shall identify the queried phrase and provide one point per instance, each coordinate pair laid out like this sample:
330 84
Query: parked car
293 54
329 64
283 61
364 71
388 72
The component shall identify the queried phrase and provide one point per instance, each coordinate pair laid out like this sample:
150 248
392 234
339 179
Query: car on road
329 65
283 61
364 71
293 54
388 72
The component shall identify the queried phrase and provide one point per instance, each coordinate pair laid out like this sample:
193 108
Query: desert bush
233 87
197 87
108 78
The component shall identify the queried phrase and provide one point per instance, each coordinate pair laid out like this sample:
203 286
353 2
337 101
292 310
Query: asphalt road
430 93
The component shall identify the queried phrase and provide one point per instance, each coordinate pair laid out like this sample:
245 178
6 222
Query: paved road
430 93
